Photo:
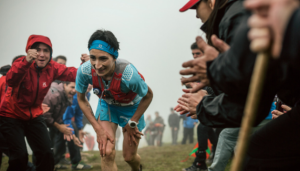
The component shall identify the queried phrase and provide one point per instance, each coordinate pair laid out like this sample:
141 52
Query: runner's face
102 62
44 55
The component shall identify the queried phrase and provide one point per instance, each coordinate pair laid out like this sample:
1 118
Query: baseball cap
190 5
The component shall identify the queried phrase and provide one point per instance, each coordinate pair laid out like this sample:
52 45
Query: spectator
227 142
21 111
74 111
58 98
188 129
159 126
148 129
174 125
61 59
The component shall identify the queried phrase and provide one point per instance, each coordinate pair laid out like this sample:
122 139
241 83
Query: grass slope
165 158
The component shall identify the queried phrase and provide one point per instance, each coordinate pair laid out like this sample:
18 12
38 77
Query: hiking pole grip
250 111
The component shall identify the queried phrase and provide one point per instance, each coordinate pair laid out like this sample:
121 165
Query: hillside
165 158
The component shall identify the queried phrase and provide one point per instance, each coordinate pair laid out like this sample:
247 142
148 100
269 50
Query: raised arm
63 73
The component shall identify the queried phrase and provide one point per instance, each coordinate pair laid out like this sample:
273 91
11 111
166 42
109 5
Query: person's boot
193 168
81 166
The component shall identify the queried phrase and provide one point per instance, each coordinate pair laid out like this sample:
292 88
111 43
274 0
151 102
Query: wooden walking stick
253 99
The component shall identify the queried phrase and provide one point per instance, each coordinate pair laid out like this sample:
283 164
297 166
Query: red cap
190 5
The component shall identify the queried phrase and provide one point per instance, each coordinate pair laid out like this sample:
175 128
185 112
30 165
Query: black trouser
204 133
174 135
59 147
188 133
276 146
35 130
3 147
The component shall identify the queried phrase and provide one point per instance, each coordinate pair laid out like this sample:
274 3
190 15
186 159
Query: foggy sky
153 35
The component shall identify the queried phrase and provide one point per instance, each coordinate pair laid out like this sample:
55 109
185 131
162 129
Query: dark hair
194 46
36 45
4 69
67 82
17 57
106 36
213 22
60 57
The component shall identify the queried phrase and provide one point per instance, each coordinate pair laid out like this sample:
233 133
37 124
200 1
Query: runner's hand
32 54
132 134
102 138
65 129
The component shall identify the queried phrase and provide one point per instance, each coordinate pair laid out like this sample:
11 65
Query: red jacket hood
38 38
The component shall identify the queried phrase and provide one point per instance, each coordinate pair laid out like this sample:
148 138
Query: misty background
153 35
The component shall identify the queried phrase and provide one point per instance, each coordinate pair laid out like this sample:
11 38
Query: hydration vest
114 95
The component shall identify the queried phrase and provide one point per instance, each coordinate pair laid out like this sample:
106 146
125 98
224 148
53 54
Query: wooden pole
253 99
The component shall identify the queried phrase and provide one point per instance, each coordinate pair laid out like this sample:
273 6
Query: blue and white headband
101 45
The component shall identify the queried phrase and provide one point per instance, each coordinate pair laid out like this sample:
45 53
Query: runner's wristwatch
132 124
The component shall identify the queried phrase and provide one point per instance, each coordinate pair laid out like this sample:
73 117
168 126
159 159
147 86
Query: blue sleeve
83 77
78 114
69 113
78 118
88 95
273 107
133 81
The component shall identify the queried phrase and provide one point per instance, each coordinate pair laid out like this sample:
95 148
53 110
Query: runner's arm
145 102
85 107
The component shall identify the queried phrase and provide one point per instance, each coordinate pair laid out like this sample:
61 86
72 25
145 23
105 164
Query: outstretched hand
189 101
197 67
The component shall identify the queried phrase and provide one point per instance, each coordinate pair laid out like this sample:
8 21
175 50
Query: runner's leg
108 161
130 153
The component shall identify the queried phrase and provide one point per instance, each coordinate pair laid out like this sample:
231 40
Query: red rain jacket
2 87
27 85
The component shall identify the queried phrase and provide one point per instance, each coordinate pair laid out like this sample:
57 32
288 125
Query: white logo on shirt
44 84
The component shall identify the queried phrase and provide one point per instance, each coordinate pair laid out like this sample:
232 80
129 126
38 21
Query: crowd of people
39 102
236 32
39 95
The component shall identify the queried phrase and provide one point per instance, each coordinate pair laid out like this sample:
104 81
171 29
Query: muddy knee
109 154
129 157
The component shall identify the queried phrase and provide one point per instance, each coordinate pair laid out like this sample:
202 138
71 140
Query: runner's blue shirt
131 80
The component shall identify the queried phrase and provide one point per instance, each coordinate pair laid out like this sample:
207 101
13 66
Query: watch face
132 124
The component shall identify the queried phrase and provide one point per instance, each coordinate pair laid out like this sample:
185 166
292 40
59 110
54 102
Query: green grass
165 158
